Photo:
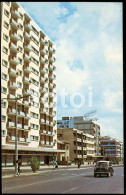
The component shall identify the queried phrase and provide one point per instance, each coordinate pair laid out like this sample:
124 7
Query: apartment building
88 127
27 68
111 148
81 144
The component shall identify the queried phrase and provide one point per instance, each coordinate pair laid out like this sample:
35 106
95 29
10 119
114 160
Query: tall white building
27 67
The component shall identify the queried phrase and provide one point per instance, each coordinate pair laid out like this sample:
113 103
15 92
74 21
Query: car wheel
109 174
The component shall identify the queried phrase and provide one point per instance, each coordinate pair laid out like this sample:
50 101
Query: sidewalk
8 172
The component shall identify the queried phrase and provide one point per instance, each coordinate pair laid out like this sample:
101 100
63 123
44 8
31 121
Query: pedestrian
19 166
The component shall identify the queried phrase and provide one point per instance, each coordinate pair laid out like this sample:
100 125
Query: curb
43 171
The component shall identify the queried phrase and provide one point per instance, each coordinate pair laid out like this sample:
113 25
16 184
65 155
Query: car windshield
102 164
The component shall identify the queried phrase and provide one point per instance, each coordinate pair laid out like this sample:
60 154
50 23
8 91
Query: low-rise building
63 157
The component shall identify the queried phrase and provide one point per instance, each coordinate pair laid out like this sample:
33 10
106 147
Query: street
66 181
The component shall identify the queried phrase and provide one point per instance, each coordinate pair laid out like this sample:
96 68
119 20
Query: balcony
11 111
88 142
27 116
21 139
47 122
89 154
13 47
26 80
49 132
14 24
51 143
42 80
27 69
20 113
78 139
44 90
42 121
14 60
51 123
89 148
19 126
47 142
11 124
27 47
110 149
52 59
14 36
42 41
12 85
51 95
28 26
27 36
51 85
44 70
43 142
26 103
44 131
52 77
54 113
43 110
26 92
43 51
79 156
42 60
25 127
10 96
28 140
53 133
26 57
79 148
15 14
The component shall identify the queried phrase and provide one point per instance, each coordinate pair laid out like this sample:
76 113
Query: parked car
103 168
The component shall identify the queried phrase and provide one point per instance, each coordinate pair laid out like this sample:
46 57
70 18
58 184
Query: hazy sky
88 38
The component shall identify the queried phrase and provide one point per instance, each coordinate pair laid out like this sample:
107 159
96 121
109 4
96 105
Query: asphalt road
65 182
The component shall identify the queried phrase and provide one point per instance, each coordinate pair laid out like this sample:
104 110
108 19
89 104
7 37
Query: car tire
109 174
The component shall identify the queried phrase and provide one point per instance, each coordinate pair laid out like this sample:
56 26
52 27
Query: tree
35 163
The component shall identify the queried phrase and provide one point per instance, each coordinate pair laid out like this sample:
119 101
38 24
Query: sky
89 58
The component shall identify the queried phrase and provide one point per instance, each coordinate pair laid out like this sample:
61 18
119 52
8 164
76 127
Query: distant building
88 127
81 144
63 145
111 148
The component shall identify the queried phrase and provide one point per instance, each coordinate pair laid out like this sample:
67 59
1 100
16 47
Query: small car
103 168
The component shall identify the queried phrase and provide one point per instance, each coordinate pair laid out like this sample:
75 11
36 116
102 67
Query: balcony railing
42 120
19 126
21 139
11 124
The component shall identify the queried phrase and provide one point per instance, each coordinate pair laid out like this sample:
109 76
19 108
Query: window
21 38
34 60
3 104
6 12
34 82
34 39
34 126
34 71
4 90
19 84
20 60
6 25
35 138
5 63
3 118
36 32
21 15
20 72
20 26
34 115
20 49
35 50
4 76
35 104
5 50
3 132
6 38
8 3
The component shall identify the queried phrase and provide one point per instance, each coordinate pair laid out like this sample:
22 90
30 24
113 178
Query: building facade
111 148
63 157
81 145
27 68
88 127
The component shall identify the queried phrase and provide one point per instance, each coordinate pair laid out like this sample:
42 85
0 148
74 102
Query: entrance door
46 160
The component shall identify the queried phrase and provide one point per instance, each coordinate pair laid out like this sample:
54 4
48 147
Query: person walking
19 166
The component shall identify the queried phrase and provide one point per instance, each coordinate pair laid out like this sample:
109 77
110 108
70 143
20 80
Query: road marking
39 182
70 190
65 174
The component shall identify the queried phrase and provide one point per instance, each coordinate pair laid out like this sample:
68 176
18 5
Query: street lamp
16 150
